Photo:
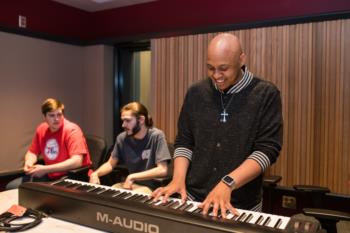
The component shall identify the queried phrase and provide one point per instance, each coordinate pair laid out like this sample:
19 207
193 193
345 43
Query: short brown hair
138 110
51 104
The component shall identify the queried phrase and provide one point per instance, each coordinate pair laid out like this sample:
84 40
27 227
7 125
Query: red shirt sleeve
35 146
76 145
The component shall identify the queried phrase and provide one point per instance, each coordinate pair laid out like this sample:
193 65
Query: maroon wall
177 15
162 16
47 17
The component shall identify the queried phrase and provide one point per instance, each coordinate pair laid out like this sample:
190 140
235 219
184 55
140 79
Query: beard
135 129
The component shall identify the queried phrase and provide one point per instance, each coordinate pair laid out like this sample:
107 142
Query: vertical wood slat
345 74
308 62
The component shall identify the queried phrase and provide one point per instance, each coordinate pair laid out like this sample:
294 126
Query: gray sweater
254 130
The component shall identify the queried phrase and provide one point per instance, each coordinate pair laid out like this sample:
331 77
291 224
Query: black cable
7 220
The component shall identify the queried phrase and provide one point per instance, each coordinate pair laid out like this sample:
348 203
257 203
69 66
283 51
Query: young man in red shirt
60 142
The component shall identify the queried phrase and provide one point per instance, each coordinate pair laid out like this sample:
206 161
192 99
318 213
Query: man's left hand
128 183
38 170
220 199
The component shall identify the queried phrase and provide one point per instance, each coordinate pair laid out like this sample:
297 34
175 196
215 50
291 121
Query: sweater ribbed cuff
261 159
183 152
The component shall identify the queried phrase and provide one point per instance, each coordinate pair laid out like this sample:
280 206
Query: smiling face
54 119
225 59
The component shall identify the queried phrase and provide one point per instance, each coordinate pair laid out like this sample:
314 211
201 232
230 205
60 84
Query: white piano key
229 216
159 202
194 207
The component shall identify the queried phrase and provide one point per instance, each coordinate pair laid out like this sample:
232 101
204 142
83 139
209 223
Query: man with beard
141 147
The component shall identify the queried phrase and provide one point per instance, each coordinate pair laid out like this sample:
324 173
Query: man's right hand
94 179
171 188
28 167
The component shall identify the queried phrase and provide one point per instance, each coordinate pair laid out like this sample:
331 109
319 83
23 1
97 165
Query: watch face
228 180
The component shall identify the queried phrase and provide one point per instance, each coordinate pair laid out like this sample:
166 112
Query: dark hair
138 110
51 104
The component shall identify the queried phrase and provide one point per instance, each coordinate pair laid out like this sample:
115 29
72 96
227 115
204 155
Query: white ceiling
98 5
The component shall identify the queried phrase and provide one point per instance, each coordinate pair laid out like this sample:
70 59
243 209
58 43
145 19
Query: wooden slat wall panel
310 63
345 74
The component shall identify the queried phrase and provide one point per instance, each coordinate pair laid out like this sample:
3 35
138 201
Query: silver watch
229 181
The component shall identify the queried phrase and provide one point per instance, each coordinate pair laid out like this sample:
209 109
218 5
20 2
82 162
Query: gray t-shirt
143 154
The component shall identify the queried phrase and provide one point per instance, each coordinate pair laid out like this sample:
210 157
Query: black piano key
220 215
187 207
91 188
167 203
179 206
171 203
278 223
109 193
134 197
174 204
241 217
149 200
248 218
97 190
62 183
122 195
143 198
128 196
259 220
197 211
227 213
83 187
117 193
267 221
102 191
73 185
156 202
139 197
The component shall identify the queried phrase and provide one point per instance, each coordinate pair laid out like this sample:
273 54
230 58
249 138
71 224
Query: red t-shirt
58 146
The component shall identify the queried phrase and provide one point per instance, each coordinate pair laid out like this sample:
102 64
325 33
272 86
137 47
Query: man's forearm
246 172
103 170
30 158
180 169
160 171
73 162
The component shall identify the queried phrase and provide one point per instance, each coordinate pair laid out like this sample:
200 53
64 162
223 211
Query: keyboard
118 210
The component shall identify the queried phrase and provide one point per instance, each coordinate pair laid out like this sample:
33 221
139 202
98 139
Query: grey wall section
32 70
98 91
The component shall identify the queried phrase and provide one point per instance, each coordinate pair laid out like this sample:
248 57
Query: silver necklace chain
224 114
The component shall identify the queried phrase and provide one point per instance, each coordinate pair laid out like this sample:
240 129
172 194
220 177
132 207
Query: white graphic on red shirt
51 149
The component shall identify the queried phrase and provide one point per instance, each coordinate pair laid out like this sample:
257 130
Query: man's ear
142 120
242 59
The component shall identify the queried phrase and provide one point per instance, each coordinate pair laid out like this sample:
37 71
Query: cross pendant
224 114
